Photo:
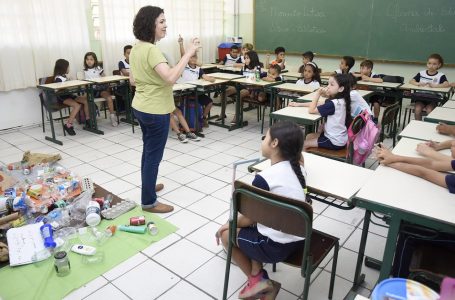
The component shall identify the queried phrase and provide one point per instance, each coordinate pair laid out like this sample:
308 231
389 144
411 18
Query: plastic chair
51 105
389 118
295 217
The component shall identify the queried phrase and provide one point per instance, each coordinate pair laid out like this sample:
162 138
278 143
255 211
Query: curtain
196 18
37 33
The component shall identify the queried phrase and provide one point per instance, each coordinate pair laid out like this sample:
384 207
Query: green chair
289 216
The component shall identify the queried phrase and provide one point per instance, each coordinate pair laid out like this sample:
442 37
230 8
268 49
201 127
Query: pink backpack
363 141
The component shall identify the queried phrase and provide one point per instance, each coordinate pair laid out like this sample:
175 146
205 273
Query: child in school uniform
256 243
337 109
232 57
280 53
245 48
431 78
61 70
124 64
346 64
310 76
176 118
307 57
427 168
93 70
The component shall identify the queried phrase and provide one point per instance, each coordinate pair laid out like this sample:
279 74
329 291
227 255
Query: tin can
153 230
136 221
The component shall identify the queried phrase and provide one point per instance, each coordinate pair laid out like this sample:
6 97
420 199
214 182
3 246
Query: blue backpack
190 116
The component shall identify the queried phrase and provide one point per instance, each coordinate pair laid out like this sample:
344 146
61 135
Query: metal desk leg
238 110
92 127
197 131
51 121
390 247
129 117
358 277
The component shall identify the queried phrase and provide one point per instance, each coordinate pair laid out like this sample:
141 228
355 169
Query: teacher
153 101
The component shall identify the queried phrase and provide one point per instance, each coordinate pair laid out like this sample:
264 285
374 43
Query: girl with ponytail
256 243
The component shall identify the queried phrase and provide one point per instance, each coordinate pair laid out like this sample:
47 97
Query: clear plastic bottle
62 264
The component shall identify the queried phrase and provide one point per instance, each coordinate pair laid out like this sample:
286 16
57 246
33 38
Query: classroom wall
20 108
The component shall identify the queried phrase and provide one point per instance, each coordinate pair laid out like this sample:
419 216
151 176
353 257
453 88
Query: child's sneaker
182 138
69 129
114 120
256 285
193 137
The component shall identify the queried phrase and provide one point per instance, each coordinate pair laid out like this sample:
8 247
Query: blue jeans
155 129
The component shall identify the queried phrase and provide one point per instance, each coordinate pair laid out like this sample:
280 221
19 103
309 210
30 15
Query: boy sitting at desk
429 168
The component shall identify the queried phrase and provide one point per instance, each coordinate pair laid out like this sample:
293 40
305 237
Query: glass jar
62 264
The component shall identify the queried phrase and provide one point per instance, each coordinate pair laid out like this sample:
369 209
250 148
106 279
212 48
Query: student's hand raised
180 39
194 46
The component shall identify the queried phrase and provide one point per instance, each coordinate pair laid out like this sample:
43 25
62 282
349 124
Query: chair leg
228 268
263 118
274 267
63 124
334 268
42 118
306 285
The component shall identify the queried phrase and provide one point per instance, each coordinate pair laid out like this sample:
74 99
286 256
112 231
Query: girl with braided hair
256 243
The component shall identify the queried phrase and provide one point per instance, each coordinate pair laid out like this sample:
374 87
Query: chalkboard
391 30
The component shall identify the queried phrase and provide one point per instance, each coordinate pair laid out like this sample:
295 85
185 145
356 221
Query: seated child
256 243
366 74
93 70
245 48
177 117
346 64
124 64
307 57
280 53
61 69
193 72
310 76
232 57
427 168
431 78
337 109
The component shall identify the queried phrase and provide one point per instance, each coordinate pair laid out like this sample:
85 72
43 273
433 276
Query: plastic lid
60 255
400 287
93 219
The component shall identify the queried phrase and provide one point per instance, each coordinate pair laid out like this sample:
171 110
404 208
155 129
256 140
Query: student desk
204 86
292 76
407 147
114 81
299 115
401 197
225 76
328 177
310 97
208 68
325 79
72 86
287 88
230 69
415 88
247 83
424 131
449 104
441 114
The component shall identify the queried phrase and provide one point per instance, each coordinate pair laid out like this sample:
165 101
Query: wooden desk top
229 68
449 104
379 84
247 81
328 175
424 131
227 76
294 88
310 97
441 114
209 66
107 79
202 82
63 85
182 87
297 112
407 147
295 75
408 86
400 191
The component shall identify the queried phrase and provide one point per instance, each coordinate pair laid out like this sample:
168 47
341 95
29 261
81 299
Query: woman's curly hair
144 23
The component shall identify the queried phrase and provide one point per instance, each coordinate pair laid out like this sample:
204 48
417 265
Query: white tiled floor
197 176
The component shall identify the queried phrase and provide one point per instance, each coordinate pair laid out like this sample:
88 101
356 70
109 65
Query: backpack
189 114
362 138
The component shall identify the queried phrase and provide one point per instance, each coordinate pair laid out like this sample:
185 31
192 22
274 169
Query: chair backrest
116 72
281 213
42 94
390 114
393 79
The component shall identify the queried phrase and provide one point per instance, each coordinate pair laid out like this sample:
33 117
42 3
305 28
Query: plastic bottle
92 214
46 232
133 229
257 74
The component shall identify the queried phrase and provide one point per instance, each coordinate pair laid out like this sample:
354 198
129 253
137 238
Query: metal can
136 221
153 230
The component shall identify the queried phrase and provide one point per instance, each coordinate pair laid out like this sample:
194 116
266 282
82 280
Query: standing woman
153 101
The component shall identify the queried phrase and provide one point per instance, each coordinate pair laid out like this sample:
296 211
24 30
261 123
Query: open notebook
26 245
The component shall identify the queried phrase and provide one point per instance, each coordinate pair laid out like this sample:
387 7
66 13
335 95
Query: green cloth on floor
40 280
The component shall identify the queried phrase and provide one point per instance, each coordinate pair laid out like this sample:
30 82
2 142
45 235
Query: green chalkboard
394 30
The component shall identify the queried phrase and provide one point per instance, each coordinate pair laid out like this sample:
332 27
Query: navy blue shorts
324 142
262 249
61 98
204 100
